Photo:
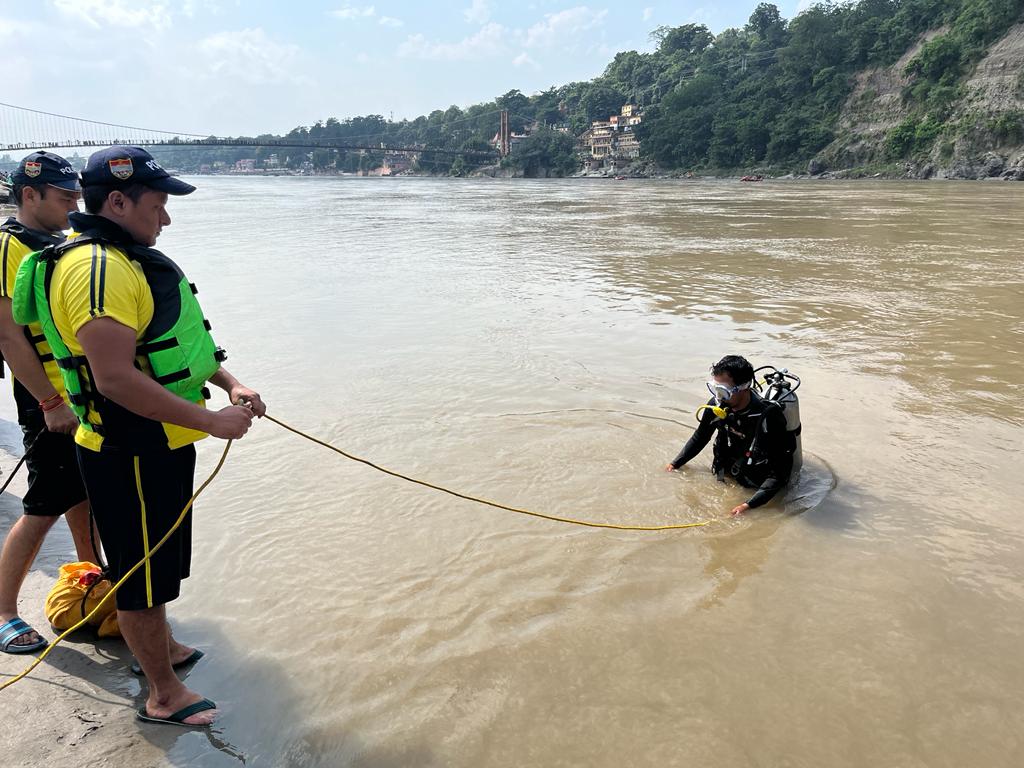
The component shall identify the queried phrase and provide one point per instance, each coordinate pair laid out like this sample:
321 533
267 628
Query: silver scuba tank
780 387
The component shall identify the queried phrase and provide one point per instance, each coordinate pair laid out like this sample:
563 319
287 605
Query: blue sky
256 66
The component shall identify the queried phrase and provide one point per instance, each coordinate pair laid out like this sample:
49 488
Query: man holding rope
136 354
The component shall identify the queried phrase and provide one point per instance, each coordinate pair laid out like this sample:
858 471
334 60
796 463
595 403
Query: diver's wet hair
737 368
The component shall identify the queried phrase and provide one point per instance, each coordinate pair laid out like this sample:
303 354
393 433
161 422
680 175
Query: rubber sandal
14 629
196 656
178 718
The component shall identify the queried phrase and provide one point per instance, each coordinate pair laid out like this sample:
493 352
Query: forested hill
899 87
887 85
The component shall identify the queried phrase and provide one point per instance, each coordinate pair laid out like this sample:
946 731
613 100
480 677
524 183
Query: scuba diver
758 435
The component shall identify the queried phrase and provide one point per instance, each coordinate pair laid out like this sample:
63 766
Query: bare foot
178 703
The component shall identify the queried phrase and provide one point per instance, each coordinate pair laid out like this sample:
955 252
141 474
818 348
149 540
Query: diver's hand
669 468
740 509
242 395
231 423
61 420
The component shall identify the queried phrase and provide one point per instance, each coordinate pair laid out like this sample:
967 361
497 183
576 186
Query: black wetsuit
765 463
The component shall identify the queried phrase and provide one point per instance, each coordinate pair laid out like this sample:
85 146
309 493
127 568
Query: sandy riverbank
77 708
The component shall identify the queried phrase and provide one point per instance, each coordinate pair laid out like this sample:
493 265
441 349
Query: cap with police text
118 166
46 168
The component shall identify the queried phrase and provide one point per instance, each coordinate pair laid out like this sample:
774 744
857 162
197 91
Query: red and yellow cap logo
121 168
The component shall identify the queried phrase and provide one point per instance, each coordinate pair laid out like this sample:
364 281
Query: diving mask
723 393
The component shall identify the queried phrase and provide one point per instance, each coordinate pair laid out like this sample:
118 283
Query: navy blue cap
118 166
46 168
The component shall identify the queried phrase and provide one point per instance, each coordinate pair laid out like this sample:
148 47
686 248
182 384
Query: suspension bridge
23 129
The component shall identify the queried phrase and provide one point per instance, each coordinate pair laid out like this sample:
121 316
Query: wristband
51 405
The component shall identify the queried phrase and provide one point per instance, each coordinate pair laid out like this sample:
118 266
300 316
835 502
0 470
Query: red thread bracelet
50 404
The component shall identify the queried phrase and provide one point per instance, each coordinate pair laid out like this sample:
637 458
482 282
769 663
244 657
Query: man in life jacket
45 191
135 352
752 444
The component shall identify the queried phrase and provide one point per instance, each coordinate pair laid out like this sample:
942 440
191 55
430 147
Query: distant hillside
913 88
980 133
896 87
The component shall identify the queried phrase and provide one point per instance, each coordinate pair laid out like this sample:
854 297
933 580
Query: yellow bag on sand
64 604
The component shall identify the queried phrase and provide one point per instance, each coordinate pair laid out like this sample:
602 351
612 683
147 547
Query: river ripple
545 344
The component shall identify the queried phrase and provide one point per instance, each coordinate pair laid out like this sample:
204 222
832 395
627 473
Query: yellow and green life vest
177 344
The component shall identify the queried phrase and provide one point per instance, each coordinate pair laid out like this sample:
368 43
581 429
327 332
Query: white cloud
493 39
524 60
391 21
248 56
117 13
190 7
348 12
11 29
558 27
648 13
479 12
487 42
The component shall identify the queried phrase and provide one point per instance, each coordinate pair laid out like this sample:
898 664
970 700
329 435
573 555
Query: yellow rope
555 518
124 578
300 433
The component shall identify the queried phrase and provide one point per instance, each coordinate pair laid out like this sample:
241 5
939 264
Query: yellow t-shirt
12 252
95 281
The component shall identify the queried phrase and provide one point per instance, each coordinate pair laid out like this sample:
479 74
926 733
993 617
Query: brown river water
545 344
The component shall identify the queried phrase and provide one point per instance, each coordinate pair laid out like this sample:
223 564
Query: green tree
767 23
687 39
546 152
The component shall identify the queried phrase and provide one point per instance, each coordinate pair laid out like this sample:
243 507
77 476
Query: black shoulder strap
54 252
32 239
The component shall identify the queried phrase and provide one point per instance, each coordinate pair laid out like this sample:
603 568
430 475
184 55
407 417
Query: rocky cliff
981 137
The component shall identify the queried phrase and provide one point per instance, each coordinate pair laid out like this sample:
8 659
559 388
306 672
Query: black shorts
54 480
136 500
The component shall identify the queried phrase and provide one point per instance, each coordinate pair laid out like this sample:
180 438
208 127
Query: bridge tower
504 135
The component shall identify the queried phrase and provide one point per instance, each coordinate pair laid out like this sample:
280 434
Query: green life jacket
34 240
177 344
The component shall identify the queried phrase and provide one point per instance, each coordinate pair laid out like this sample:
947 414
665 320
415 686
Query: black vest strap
170 378
71 363
150 347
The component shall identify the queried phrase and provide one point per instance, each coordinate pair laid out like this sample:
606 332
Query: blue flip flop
192 659
14 629
178 718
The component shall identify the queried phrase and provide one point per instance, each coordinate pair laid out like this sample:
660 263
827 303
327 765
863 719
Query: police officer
136 353
45 190
752 444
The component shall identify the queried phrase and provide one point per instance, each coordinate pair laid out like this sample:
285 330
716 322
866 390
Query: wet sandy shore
77 708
